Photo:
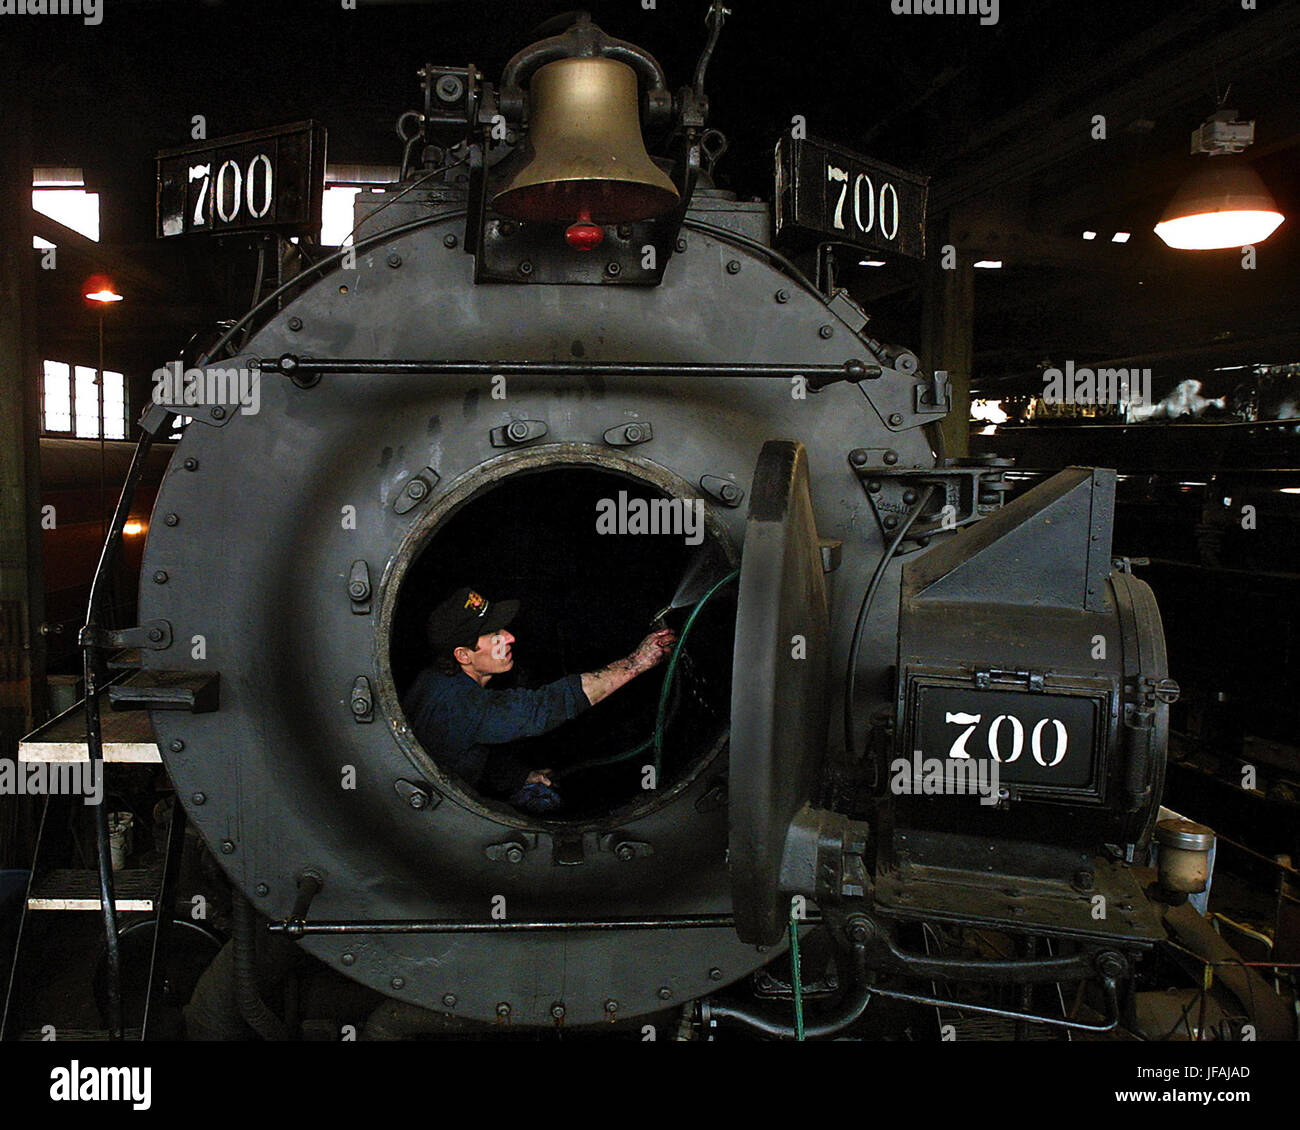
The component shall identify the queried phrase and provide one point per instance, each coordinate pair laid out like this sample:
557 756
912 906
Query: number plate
832 193
1038 739
270 179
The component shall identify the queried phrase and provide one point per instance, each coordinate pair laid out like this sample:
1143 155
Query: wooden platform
128 737
133 889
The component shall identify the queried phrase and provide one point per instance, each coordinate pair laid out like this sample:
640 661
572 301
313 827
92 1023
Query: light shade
100 288
1223 204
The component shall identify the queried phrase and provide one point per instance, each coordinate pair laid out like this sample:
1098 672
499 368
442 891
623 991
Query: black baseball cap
464 616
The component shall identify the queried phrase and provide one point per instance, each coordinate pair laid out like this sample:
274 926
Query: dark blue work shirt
458 721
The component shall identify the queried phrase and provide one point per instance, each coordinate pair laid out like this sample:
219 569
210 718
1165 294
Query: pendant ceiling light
1224 203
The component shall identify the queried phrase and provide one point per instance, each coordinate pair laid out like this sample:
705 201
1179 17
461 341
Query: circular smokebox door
778 687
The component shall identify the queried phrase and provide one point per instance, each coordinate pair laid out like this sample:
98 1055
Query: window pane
56 406
114 405
72 207
336 215
87 401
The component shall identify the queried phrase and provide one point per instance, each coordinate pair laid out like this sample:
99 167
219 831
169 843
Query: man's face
493 654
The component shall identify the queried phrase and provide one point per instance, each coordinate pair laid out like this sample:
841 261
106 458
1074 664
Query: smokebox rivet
449 1000
199 798
176 745
891 457
172 520
890 522
715 974
348 959
160 577
394 260
558 1011
227 847
858 457
191 464
909 496
874 486
783 296
449 241
295 324
895 419
825 331
398 982
218 413
611 1005
733 266
262 890
525 268
680 245
665 993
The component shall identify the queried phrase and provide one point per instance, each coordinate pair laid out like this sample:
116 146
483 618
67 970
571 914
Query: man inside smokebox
462 723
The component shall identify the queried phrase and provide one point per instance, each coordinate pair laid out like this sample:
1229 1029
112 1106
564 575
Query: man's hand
538 777
653 650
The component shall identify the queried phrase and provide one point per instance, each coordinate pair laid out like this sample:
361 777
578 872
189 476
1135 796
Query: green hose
656 739
796 976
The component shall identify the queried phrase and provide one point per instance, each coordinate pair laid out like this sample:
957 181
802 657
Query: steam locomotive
907 715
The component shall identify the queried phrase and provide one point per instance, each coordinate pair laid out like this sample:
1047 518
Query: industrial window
71 397
61 194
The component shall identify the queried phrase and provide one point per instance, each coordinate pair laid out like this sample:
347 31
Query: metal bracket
518 432
416 489
199 692
832 553
363 701
630 434
155 635
622 848
1030 680
417 794
359 588
966 494
723 490
512 851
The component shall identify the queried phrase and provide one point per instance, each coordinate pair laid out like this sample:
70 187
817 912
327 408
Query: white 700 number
1016 738
235 188
886 212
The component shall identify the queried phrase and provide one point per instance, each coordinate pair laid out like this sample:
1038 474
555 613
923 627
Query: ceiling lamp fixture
1223 203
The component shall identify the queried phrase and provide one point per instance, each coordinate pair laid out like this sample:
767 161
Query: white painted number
882 206
970 721
235 193
267 185
1036 742
1017 738
200 212
236 188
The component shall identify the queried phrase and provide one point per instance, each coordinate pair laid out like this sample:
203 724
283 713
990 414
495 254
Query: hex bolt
613 270
858 457
895 419
227 847
417 489
155 634
715 974
394 260
348 959
417 799
357 590
632 433
218 413
449 240
160 577
503 1010
680 245
558 1011
172 520
517 431
361 706
525 268
514 854
625 852
191 464
449 88
176 745
198 798
891 457
730 493
783 296
859 930
449 1000
733 266
611 1005
398 982
262 890
665 993
295 324
825 331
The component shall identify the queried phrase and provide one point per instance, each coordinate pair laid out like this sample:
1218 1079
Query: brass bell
584 158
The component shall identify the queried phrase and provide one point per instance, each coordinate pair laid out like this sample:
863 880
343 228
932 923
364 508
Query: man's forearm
598 685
